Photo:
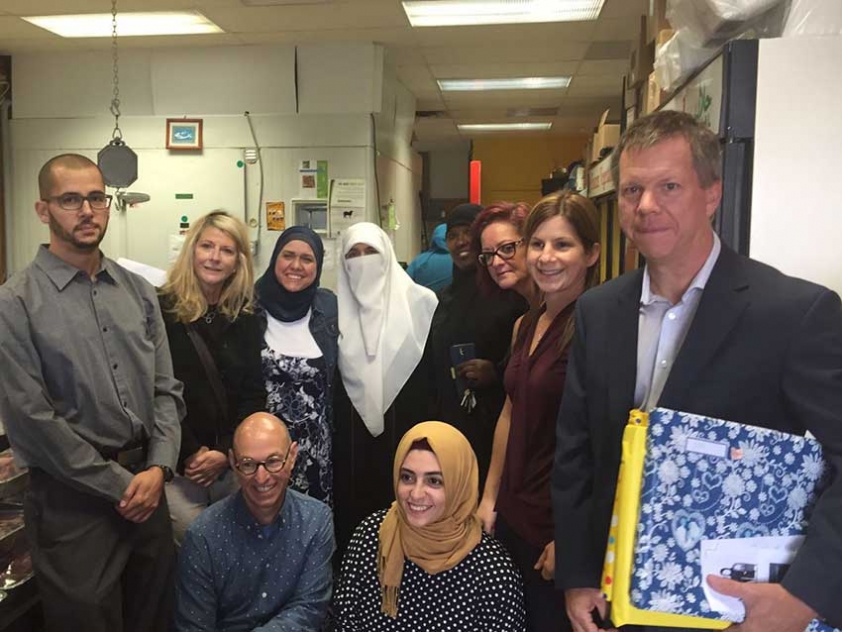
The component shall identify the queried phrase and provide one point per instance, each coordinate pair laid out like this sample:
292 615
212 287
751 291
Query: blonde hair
188 301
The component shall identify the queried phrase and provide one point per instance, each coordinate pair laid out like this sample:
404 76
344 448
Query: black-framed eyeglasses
504 251
273 465
74 201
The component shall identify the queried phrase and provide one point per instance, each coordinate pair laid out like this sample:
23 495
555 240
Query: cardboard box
587 154
657 19
654 94
642 56
607 135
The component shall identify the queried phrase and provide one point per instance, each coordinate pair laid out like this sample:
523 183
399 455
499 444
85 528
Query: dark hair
664 124
582 215
513 213
70 161
421 444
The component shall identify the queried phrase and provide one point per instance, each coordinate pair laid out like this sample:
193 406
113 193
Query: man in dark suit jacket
703 330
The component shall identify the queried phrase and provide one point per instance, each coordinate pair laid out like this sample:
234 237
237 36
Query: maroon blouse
534 384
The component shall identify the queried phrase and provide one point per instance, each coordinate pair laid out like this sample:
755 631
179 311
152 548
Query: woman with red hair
498 238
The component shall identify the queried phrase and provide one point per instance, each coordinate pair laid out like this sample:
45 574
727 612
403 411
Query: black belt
131 456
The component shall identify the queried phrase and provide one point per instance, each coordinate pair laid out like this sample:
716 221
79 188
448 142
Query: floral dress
297 393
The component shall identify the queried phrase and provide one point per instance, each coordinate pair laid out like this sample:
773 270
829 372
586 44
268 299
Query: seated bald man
260 559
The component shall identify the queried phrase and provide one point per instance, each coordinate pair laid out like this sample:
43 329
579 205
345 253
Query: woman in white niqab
384 320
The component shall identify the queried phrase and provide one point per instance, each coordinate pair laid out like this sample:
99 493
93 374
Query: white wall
796 215
398 166
339 86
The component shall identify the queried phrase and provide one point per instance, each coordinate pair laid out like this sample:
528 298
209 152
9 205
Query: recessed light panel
470 12
504 127
128 24
523 83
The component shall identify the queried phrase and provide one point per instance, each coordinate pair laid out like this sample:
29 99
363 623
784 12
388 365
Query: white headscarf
384 320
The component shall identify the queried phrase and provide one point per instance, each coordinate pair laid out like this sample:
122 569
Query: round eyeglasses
504 251
74 201
273 465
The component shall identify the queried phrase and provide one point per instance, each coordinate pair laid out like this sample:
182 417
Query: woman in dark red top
562 252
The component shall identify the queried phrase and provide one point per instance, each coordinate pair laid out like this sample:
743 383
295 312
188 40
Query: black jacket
763 349
235 347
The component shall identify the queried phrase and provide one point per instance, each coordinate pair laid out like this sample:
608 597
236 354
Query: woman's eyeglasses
273 464
504 251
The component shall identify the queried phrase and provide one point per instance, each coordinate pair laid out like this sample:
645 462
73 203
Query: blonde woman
215 343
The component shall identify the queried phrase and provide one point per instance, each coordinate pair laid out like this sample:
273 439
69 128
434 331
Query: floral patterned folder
707 479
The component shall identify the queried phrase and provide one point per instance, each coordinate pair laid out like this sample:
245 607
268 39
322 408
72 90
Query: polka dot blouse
483 593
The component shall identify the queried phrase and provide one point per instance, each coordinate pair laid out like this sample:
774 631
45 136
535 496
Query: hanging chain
117 134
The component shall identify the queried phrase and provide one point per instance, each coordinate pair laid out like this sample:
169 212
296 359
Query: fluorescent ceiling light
504 127
469 12
524 83
128 24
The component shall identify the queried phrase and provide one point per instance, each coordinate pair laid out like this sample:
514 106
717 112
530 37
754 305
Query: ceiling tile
417 55
13 27
382 36
623 9
616 67
608 49
314 17
496 35
417 78
508 52
619 29
429 103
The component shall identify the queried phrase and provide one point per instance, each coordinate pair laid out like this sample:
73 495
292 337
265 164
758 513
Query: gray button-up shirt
85 364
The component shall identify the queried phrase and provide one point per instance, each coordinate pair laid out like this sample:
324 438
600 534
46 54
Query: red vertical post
476 182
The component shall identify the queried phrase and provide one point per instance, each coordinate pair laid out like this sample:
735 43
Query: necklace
210 315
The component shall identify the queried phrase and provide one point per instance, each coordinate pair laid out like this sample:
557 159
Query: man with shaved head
90 405
260 559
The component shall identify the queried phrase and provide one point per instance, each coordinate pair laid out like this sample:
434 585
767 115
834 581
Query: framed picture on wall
184 133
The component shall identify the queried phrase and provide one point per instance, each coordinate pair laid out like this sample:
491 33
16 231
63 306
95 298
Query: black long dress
466 314
362 464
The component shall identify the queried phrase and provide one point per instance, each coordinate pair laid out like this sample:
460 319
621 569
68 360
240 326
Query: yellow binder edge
631 468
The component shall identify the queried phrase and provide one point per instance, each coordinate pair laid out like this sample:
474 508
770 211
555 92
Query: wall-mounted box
311 213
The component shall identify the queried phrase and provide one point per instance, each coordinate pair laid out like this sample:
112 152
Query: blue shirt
236 575
433 268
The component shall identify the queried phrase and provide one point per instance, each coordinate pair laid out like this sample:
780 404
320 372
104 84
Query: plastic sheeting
712 22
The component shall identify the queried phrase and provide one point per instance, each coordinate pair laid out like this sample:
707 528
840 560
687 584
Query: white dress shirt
661 329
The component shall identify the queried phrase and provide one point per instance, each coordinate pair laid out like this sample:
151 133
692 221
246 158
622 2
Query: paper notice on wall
275 216
347 204
348 192
307 175
321 179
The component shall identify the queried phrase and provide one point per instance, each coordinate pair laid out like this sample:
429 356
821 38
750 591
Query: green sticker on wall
183 196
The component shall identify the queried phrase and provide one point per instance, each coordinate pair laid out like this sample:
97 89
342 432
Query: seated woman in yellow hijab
425 563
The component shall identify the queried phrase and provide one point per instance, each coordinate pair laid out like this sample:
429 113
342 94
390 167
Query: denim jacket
324 327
